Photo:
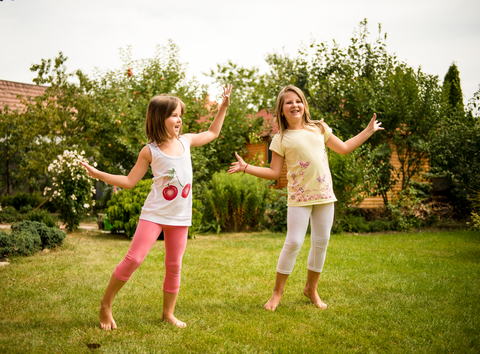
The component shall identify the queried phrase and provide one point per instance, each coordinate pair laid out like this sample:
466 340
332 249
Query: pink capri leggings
145 236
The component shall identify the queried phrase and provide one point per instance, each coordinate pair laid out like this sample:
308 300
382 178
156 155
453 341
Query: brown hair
308 122
159 109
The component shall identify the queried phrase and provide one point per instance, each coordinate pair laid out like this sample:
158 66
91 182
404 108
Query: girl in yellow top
301 143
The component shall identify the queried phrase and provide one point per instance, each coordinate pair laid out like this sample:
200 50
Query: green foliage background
104 114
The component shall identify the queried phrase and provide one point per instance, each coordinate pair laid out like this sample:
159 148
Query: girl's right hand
238 166
92 171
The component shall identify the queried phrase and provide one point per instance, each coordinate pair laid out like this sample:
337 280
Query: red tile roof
269 122
9 92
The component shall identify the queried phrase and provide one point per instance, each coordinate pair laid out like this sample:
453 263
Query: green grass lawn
400 293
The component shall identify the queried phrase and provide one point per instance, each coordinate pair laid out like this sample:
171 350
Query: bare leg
169 300
310 289
106 319
280 282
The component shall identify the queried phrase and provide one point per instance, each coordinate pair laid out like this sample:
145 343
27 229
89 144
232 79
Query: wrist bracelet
245 168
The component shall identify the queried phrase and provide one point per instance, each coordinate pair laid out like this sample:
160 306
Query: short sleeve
276 145
328 132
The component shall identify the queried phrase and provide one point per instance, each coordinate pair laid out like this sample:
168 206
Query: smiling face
293 109
173 124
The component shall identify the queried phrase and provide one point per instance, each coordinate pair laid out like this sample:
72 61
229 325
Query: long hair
282 123
159 109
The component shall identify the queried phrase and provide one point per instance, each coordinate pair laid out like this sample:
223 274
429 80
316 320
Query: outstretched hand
238 166
92 171
374 125
226 95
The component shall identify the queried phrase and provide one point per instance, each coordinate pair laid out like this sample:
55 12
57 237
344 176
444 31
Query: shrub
72 188
357 223
237 202
25 200
21 243
197 217
277 211
50 237
6 201
475 217
353 176
9 214
26 243
41 216
124 208
407 211
7 244
22 200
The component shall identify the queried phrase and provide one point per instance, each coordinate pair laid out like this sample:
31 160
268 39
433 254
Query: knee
292 246
173 267
133 262
321 241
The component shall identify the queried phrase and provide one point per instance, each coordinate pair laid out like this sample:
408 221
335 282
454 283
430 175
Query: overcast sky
427 33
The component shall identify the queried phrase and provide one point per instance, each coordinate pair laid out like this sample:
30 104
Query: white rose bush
72 188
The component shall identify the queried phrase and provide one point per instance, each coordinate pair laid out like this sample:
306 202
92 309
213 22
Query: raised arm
348 146
127 182
214 130
272 172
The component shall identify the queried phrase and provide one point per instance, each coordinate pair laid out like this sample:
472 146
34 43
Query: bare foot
174 322
106 319
272 304
313 296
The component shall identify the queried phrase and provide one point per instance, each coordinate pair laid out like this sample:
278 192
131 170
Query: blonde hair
308 122
159 109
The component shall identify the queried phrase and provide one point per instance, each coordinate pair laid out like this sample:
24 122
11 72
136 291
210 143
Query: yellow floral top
308 173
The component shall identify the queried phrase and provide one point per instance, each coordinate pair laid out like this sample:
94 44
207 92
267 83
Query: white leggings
321 217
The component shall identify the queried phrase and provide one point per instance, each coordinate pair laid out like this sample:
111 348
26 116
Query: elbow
276 175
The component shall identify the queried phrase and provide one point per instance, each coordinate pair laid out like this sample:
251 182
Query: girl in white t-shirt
168 207
301 143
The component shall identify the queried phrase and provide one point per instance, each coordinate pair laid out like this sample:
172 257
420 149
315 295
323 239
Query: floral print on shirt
301 194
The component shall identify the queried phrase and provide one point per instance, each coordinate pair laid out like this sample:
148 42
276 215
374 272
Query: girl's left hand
238 166
374 125
226 95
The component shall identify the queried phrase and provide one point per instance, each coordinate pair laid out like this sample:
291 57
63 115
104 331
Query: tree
345 86
103 115
411 103
454 146
241 125
452 87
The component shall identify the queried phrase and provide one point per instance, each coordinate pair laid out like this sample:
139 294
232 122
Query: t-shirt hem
166 221
315 202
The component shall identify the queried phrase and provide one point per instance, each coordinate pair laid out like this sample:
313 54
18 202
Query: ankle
310 289
278 292
105 304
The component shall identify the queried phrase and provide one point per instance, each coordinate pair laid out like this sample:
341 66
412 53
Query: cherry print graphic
186 190
170 192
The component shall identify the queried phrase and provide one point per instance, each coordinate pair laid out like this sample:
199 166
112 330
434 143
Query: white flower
86 206
93 203
94 164
73 197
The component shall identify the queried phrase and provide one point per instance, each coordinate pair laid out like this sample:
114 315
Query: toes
180 324
269 308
